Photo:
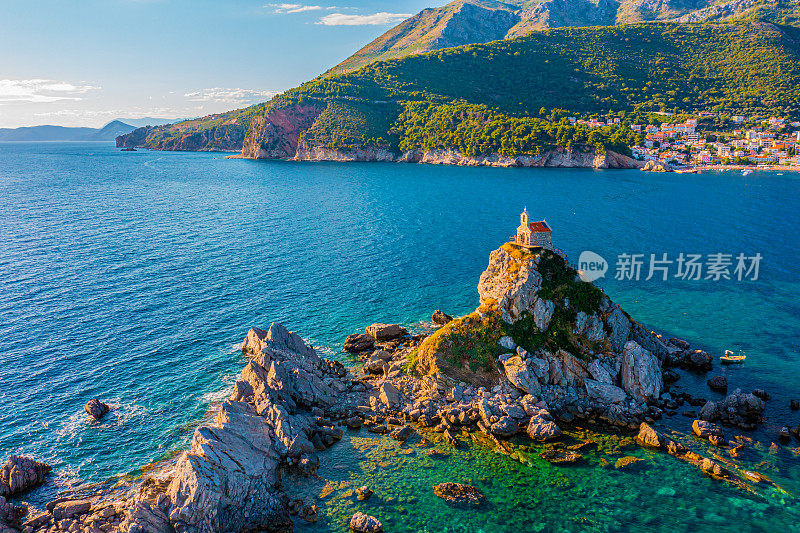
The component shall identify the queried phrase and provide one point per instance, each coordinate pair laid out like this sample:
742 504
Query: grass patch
465 346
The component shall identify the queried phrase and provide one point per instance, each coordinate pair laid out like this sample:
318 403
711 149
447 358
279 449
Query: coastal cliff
559 157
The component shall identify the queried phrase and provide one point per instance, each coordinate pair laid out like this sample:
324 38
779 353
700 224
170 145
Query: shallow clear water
133 276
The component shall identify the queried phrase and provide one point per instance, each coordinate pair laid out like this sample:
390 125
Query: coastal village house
532 234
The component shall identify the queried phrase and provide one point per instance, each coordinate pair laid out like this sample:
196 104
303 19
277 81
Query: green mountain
222 132
496 98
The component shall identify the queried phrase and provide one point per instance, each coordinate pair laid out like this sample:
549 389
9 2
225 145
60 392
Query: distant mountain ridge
464 22
109 132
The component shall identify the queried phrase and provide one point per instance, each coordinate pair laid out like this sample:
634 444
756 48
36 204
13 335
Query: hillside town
773 143
752 141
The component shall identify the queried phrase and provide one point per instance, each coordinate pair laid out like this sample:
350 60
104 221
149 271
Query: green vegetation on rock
477 130
560 283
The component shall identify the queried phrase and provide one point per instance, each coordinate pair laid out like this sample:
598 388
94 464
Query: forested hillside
746 67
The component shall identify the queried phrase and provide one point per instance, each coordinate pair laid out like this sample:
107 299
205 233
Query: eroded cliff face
276 134
560 157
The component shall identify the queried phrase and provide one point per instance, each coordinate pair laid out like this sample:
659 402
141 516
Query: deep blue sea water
133 277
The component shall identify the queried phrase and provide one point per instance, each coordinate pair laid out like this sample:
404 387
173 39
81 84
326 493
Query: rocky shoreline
289 404
559 157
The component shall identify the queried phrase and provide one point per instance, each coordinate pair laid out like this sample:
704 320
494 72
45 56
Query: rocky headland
542 353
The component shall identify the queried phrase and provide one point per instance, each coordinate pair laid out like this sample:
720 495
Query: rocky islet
288 404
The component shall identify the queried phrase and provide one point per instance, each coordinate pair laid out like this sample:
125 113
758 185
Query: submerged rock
96 409
718 383
20 474
629 463
559 456
458 493
363 493
364 523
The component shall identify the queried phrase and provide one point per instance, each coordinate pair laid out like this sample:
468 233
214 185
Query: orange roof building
533 234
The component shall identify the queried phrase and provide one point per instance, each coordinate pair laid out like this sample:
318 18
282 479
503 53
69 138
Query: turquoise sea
133 277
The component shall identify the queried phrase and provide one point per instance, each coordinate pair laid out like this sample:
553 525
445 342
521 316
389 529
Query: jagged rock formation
600 358
719 11
567 351
20 474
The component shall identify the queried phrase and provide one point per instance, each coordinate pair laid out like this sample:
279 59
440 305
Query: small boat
746 172
729 358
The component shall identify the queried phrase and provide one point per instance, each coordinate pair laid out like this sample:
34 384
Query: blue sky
85 62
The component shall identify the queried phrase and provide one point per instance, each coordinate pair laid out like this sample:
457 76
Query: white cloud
39 91
292 8
230 96
134 112
341 19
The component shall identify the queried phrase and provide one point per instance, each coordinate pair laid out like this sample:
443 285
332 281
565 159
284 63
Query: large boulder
566 370
649 437
521 372
389 395
96 409
386 332
540 429
641 372
743 404
20 474
71 508
604 392
704 429
620 328
229 479
718 383
440 317
364 523
359 342
709 412
505 427
600 372
377 361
